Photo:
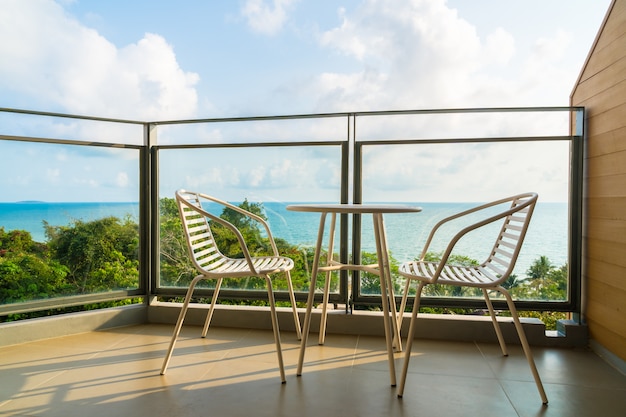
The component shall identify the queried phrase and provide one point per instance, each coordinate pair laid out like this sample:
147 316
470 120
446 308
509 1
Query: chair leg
279 352
405 295
410 337
496 325
294 308
525 345
209 316
179 323
324 317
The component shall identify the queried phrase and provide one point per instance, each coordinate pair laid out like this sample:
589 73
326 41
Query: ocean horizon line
268 202
547 235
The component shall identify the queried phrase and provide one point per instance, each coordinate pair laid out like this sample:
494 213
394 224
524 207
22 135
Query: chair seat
240 267
469 276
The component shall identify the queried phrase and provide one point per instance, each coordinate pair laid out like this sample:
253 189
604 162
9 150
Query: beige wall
601 89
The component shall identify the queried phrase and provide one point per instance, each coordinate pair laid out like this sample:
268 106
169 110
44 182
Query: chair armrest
474 226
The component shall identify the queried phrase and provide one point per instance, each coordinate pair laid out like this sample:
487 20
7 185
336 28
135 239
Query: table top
354 208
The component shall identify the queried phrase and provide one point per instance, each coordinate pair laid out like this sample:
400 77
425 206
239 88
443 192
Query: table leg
329 254
386 276
385 279
311 298
385 265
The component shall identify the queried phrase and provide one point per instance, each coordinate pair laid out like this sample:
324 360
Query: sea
406 233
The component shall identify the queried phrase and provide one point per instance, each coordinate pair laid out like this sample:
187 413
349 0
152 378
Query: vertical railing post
357 198
150 209
576 288
346 149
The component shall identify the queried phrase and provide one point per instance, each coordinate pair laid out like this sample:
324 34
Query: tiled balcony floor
233 372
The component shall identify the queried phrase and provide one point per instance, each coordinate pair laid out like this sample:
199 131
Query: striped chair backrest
200 240
509 241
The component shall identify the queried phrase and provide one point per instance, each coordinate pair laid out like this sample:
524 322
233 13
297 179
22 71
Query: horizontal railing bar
226 293
70 116
249 145
68 301
467 140
300 116
69 142
470 303
280 144
468 110
252 118
371 113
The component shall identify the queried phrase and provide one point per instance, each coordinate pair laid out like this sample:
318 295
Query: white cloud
256 176
466 172
393 54
59 62
424 55
499 47
265 18
53 175
122 180
543 71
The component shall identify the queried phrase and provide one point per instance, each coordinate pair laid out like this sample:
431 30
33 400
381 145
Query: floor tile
234 372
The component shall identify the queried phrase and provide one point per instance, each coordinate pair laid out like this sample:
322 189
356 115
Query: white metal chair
212 264
487 276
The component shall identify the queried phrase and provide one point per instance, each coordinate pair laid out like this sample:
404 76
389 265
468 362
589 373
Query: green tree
512 282
26 272
250 229
101 255
539 268
544 281
176 267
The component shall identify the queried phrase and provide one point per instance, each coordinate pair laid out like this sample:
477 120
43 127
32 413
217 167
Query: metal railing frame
351 153
576 139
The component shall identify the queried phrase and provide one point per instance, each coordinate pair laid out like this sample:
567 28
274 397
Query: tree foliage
26 270
102 255
80 258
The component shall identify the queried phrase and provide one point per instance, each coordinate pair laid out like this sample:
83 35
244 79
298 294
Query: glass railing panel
268 179
71 129
463 124
290 129
68 220
447 178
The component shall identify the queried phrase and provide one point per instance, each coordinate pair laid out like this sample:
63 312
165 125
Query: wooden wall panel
609 230
611 98
604 58
602 332
604 301
607 251
606 76
607 208
606 165
607 142
607 48
607 186
603 119
601 89
606 273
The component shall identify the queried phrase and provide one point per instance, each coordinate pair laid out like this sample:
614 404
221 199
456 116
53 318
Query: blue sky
161 60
